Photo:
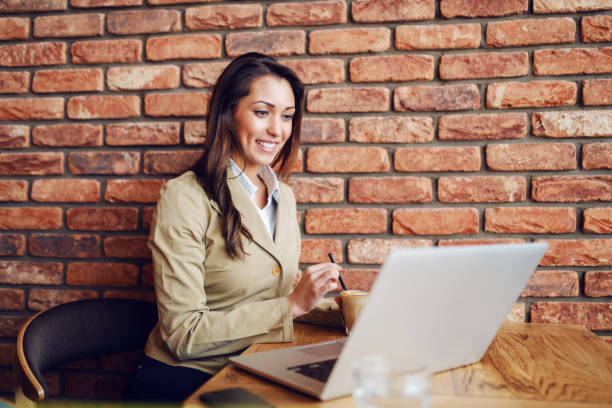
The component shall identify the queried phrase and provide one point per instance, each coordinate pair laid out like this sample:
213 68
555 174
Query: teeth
267 146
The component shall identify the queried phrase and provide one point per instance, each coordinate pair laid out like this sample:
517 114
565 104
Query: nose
274 126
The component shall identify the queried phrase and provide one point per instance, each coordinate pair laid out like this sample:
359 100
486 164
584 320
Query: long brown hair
234 84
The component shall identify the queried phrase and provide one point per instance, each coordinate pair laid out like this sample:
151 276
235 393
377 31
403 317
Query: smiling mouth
266 146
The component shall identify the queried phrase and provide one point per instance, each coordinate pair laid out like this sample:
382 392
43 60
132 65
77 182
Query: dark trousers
157 381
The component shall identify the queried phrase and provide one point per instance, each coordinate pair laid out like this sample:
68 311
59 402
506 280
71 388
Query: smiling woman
225 238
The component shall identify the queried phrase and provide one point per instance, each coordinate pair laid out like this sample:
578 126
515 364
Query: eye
261 113
287 117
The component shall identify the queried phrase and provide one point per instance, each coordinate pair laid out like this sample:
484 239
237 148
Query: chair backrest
76 330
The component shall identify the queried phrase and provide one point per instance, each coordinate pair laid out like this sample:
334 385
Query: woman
225 239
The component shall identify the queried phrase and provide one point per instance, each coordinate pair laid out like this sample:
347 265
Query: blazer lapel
250 217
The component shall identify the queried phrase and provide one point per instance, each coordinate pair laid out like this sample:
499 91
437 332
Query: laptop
439 307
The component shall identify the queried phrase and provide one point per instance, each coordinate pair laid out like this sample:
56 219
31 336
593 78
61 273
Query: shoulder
285 190
183 191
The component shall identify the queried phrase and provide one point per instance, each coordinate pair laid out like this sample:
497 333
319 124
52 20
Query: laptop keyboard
319 370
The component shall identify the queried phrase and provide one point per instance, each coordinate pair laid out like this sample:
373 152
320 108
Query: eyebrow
271 104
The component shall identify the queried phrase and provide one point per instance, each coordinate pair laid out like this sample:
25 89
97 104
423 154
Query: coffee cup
352 303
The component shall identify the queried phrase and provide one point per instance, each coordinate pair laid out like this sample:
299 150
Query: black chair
73 331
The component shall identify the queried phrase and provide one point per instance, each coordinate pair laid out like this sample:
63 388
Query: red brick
195 132
20 6
482 8
359 279
317 189
592 123
274 43
78 135
531 156
391 129
594 316
102 219
111 162
436 98
390 190
572 61
43 163
345 159
42 299
597 220
375 251
13 190
12 299
482 189
170 162
202 75
486 241
144 133
306 14
424 159
598 283
355 99
596 29
36 218
346 221
187 46
571 189
349 40
143 22
68 80
484 65
11 245
66 190
134 246
14 82
483 127
31 108
582 252
70 25
33 54
317 250
147 217
549 283
435 221
147 275
568 6
101 274
64 245
95 386
9 327
378 11
105 3
394 68
530 220
14 28
436 37
6 354
136 78
597 92
531 94
107 51
177 104
31 273
159 2
514 33
103 107
322 130
130 294
318 71
130 191
223 17
14 136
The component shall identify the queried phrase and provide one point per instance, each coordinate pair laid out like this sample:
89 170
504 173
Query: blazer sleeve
188 327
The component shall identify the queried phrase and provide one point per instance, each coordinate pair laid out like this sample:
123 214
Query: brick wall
428 123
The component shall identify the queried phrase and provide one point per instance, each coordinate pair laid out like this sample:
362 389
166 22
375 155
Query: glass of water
381 383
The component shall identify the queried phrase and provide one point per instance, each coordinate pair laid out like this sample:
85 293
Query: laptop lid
439 307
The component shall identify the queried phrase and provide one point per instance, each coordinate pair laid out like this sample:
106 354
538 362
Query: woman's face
263 122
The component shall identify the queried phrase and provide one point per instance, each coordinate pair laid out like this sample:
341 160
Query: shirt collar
267 175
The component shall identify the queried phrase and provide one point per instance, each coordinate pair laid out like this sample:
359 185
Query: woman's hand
316 281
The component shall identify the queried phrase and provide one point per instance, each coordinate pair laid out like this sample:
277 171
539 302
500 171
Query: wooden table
527 365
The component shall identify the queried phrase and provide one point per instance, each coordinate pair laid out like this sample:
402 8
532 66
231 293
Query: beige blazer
210 306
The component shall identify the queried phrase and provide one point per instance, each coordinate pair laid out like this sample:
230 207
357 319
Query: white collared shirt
268 214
